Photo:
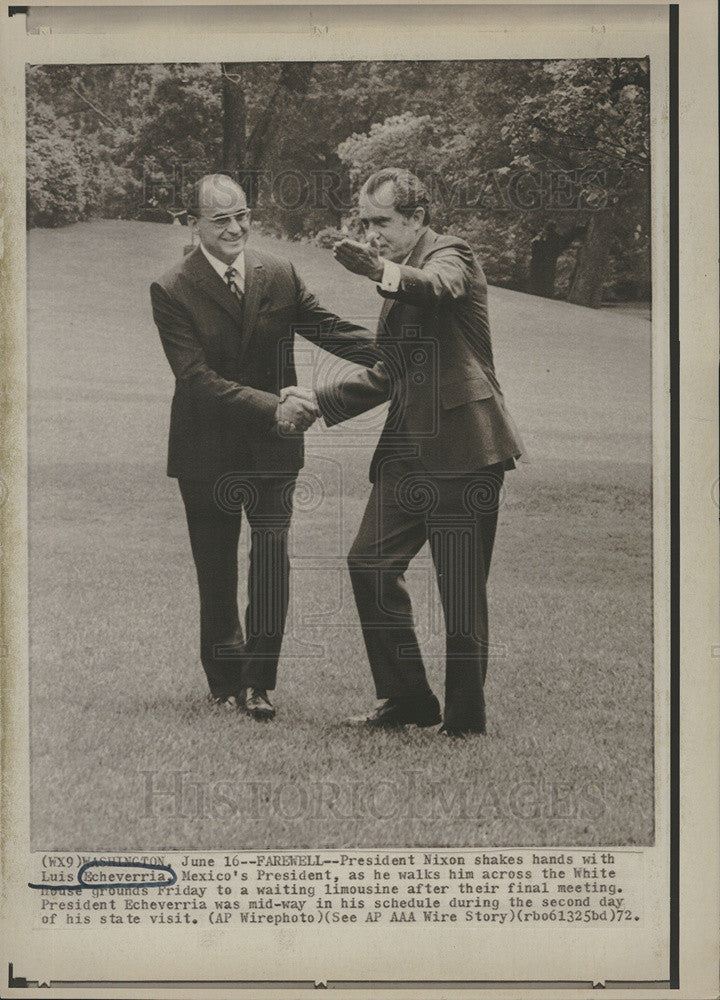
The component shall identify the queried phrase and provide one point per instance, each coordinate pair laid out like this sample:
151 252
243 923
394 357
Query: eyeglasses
222 222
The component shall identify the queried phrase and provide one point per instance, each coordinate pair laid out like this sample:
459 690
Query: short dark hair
193 193
409 192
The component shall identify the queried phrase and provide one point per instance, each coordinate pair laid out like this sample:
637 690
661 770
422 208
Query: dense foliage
506 147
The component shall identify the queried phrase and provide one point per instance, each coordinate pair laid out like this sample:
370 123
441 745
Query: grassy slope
116 687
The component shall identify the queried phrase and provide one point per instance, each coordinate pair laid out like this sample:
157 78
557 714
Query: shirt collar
220 268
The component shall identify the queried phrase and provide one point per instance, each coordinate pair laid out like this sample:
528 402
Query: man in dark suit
226 316
438 469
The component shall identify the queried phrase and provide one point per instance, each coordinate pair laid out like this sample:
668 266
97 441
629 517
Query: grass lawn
119 720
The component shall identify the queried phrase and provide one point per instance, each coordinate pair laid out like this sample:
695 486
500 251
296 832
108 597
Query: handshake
297 410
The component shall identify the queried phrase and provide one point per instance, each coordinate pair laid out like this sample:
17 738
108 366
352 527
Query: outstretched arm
329 331
347 397
362 391
442 278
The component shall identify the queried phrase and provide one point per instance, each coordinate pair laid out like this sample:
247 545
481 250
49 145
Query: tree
177 132
55 182
108 140
74 169
457 148
234 117
545 249
246 154
592 118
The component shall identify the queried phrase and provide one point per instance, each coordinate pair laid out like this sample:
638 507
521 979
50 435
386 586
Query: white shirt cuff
391 277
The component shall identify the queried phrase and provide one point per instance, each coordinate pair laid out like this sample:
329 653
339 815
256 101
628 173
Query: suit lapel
254 285
202 274
416 258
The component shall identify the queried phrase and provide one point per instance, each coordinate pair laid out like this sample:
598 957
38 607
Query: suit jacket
230 361
447 411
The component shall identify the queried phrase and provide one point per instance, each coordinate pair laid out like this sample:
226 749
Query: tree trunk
287 98
544 253
234 119
592 259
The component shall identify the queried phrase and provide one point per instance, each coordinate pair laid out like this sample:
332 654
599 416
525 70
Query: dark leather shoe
402 712
257 704
229 702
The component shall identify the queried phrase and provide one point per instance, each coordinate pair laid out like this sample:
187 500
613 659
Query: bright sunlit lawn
119 717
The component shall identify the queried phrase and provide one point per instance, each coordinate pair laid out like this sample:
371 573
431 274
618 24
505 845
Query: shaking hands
297 410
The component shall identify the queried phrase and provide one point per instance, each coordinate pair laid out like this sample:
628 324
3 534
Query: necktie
232 284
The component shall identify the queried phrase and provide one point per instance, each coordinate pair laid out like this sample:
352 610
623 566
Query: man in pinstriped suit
226 315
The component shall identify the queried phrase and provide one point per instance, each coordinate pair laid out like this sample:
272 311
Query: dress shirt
390 281
238 264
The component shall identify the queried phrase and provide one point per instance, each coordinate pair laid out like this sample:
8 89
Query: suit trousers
457 514
214 517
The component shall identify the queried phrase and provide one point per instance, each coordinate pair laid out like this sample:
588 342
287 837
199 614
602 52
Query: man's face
394 234
224 221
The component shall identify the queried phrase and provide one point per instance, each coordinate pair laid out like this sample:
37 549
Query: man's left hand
360 258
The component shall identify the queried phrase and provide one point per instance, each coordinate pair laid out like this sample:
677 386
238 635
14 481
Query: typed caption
527 887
